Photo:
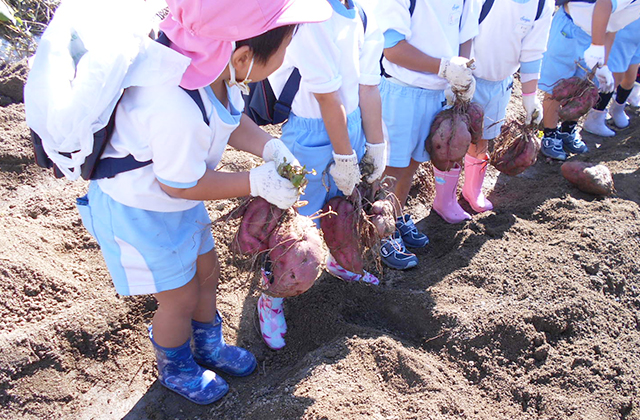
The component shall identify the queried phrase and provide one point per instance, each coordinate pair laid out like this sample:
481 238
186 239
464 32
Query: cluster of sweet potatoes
452 131
577 95
291 241
351 226
516 148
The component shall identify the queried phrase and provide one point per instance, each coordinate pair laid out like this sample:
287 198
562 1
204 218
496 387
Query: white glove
456 71
345 172
276 151
449 96
265 182
605 79
532 107
594 56
376 155
465 95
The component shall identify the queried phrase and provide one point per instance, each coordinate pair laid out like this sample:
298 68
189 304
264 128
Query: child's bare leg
550 109
404 177
208 274
479 150
629 77
172 320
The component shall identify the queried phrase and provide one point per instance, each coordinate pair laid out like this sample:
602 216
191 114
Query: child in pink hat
150 222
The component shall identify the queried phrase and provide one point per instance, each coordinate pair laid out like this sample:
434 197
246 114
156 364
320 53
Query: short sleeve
316 57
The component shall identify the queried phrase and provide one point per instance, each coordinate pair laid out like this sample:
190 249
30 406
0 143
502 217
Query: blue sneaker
572 142
410 234
552 147
394 254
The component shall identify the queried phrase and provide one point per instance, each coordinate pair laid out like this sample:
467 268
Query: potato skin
259 219
592 179
340 233
449 138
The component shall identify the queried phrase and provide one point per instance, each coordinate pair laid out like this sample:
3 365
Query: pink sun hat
204 30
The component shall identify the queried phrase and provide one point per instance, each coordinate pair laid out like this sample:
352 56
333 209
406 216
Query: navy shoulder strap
540 8
282 107
486 7
412 6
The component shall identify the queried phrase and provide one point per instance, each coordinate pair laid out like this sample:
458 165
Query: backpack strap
412 7
486 7
282 107
540 9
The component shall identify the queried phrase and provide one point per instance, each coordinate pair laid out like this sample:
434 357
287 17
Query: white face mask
244 85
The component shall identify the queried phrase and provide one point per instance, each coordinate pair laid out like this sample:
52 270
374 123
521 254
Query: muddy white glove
605 79
376 156
265 182
345 172
532 107
276 151
594 55
456 72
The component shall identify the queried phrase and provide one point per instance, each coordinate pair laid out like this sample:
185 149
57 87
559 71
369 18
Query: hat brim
303 11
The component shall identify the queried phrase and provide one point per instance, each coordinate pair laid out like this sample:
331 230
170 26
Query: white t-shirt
511 37
437 28
623 13
334 55
164 124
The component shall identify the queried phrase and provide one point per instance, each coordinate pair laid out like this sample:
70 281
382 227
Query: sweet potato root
516 148
449 138
341 233
476 121
296 255
577 95
259 219
382 216
592 179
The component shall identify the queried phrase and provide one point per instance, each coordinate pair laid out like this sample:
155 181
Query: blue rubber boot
210 350
180 373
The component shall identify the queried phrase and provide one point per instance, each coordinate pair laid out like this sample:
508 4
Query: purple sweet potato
259 219
340 233
383 218
296 255
476 121
516 148
592 179
577 95
449 138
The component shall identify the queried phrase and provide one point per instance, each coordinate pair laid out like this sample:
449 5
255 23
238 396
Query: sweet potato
449 138
516 148
259 219
296 255
341 233
383 218
577 95
476 121
592 179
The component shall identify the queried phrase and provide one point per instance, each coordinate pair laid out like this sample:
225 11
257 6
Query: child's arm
376 148
345 171
595 54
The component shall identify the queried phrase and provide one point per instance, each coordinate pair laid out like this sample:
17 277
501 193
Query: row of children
151 223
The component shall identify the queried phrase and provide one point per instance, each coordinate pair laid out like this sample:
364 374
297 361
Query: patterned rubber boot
178 371
210 350
446 201
342 273
474 172
273 326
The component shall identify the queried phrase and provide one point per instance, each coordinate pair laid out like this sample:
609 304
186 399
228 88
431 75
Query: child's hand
345 172
594 56
276 151
457 72
605 79
265 182
376 156
532 107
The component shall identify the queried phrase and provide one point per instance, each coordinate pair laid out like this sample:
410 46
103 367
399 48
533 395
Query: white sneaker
634 96
616 110
594 123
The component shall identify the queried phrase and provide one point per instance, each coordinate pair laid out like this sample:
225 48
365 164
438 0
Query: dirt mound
528 312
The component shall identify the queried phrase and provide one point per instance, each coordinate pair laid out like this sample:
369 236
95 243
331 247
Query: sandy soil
531 311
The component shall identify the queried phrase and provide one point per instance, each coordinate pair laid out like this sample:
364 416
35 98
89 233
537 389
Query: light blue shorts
494 98
626 48
567 43
408 112
308 140
146 251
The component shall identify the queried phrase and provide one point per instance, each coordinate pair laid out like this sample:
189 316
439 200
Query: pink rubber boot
446 201
474 170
